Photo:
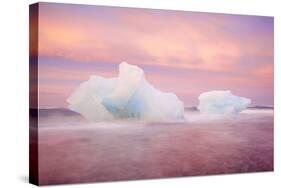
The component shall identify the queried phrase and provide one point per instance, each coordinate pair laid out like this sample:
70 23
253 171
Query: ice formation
222 102
129 95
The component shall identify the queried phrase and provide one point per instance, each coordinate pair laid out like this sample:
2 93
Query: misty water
72 149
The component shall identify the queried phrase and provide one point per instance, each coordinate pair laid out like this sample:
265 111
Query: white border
14 91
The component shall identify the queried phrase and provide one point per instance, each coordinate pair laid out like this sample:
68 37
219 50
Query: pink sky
182 52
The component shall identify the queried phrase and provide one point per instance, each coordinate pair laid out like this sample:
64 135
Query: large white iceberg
129 95
222 102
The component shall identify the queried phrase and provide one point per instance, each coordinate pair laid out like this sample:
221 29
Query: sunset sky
182 52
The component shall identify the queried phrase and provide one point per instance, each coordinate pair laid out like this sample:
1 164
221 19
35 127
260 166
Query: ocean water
73 150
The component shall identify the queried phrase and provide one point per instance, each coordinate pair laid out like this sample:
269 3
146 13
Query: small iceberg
222 102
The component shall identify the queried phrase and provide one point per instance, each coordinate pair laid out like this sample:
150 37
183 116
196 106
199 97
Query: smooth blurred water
73 150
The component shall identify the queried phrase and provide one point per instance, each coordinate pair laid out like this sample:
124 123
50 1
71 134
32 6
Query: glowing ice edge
222 102
129 96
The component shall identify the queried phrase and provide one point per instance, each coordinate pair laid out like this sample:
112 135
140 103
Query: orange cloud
190 40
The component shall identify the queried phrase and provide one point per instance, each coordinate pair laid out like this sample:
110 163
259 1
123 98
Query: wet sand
72 150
